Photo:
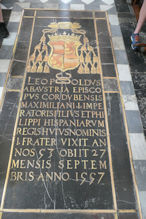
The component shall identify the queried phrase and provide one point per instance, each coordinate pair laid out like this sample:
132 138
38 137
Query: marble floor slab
100 59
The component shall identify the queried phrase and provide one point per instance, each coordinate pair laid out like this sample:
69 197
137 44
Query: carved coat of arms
64 46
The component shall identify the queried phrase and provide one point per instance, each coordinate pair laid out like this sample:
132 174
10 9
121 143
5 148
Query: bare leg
142 18
1 16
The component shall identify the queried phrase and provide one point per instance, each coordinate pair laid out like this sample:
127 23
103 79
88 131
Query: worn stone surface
63 153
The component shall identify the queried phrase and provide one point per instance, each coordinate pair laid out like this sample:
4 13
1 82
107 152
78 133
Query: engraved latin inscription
64 122
60 150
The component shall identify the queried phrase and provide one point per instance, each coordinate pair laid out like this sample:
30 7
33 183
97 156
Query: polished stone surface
69 147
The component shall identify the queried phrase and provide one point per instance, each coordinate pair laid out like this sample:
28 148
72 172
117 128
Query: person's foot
3 31
135 41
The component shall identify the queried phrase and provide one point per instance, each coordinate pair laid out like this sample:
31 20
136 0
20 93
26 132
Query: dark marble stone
141 98
57 216
121 6
110 85
28 12
106 55
108 70
14 83
128 216
8 113
67 194
100 14
120 155
21 52
126 17
7 122
70 193
41 177
26 28
42 23
103 34
54 13
17 68
6 14
1 41
139 80
5 146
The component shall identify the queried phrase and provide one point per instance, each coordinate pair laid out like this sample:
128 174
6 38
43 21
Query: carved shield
64 53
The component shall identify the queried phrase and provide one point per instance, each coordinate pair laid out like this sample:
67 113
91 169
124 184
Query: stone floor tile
15 16
92 7
134 121
130 102
127 87
141 99
122 6
64 6
58 216
108 70
113 20
139 80
1 91
43 1
124 72
38 5
23 5
13 26
118 43
138 146
14 83
105 7
115 30
66 1
112 11
4 65
110 85
127 216
52 6
143 201
87 1
140 171
121 57
6 51
108 2
9 41
2 79
106 55
77 6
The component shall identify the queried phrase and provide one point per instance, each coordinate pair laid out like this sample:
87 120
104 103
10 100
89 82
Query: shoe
134 40
3 31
